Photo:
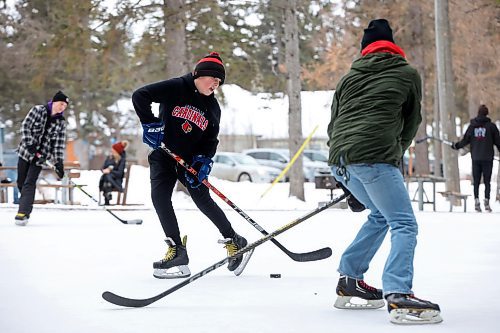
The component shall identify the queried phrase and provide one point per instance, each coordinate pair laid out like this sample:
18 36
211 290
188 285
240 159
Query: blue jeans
380 187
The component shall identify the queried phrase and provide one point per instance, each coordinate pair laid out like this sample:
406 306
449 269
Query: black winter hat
377 30
60 97
483 110
210 65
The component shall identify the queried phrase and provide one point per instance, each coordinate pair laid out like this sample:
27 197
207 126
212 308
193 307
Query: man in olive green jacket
375 115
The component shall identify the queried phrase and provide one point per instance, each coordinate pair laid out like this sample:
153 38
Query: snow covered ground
53 271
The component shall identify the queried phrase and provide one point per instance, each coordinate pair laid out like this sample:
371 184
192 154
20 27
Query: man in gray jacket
43 138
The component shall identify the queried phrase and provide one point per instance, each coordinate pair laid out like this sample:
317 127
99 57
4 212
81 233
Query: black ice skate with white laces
233 245
175 263
356 294
409 310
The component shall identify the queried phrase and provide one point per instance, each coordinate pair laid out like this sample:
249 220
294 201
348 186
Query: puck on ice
275 276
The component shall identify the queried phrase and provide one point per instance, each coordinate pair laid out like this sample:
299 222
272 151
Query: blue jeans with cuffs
380 187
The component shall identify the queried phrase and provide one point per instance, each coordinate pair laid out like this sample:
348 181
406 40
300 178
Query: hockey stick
446 142
136 221
138 303
301 257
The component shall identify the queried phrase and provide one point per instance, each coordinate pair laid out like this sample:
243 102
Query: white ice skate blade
21 223
357 303
172 273
244 262
415 316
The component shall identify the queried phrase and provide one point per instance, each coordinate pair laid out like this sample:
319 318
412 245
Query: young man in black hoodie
43 138
188 124
481 134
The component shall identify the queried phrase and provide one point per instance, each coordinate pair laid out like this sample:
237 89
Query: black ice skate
22 219
174 265
487 205
233 245
477 205
408 310
356 294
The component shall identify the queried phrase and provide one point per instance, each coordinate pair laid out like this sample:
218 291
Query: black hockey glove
352 202
454 146
59 169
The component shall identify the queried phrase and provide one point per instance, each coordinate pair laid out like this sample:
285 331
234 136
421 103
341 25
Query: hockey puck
275 276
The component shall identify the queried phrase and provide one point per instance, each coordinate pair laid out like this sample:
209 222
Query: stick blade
123 301
136 221
311 256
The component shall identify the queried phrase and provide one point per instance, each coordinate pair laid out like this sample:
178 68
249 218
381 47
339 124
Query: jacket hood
480 121
377 62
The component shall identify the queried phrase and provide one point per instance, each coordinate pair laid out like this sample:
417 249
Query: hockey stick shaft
136 221
446 142
137 303
301 257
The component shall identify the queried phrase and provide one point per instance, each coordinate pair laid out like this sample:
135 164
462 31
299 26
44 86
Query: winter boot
174 264
407 309
367 296
477 205
232 246
22 219
107 198
487 205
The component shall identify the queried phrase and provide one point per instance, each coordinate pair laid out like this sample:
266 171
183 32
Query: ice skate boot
22 219
233 245
175 263
487 205
356 294
477 205
409 310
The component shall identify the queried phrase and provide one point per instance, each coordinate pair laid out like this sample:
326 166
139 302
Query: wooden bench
63 190
452 197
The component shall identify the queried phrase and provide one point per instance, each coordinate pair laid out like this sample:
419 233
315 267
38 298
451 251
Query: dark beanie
60 97
377 30
483 110
210 65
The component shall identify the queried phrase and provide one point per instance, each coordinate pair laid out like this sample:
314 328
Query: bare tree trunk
436 132
174 21
292 62
417 53
445 88
175 36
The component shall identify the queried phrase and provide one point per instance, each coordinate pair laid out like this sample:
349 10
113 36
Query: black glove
352 202
36 155
32 149
59 169
454 145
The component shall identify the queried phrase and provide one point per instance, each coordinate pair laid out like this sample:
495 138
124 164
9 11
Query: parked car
239 167
316 155
279 158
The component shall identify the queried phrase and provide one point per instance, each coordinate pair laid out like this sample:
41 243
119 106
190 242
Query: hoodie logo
192 114
480 133
186 127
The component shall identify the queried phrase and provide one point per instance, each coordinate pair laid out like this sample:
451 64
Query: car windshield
244 159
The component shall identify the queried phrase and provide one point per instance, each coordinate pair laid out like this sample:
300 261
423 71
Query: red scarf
383 46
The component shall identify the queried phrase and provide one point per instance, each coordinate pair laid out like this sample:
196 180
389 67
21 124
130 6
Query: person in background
375 115
188 124
113 171
482 135
43 138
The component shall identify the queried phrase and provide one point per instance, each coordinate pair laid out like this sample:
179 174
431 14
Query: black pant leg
163 176
27 173
487 170
205 203
476 177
